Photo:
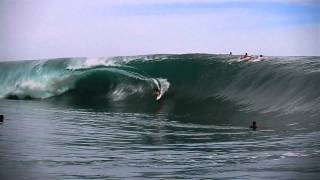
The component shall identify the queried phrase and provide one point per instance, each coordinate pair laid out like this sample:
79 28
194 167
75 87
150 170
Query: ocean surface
97 118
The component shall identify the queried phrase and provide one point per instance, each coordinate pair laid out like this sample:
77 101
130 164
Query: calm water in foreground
41 140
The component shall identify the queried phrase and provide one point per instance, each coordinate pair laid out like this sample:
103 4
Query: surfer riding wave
157 90
160 87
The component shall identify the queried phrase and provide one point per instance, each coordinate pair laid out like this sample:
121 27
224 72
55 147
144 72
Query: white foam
294 154
92 62
291 154
123 91
43 88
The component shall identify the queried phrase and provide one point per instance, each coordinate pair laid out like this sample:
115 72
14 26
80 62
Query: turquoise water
79 118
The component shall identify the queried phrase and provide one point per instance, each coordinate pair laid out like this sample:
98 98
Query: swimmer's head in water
254 125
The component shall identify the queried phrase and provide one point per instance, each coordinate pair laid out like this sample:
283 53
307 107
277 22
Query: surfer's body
157 92
160 86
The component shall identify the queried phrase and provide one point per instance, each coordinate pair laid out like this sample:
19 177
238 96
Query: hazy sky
31 29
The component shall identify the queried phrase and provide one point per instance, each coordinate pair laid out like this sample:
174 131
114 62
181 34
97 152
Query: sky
37 29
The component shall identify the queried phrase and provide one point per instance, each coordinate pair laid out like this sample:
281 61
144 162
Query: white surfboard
248 58
161 91
159 96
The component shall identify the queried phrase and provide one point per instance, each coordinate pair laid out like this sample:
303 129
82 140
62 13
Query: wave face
203 84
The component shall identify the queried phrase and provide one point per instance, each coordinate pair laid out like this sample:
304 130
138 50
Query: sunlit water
44 140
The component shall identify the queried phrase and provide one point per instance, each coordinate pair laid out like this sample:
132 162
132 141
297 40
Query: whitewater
97 118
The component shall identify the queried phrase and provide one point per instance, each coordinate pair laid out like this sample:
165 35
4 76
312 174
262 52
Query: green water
80 119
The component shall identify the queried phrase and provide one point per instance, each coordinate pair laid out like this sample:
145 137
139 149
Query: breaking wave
200 83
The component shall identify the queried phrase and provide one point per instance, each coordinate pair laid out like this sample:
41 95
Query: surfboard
159 96
161 92
158 84
245 59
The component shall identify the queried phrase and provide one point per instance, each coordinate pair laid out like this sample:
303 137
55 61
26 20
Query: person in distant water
230 54
261 58
245 56
1 118
254 126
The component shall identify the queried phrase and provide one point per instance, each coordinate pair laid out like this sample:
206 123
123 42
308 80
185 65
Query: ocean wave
49 78
279 84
